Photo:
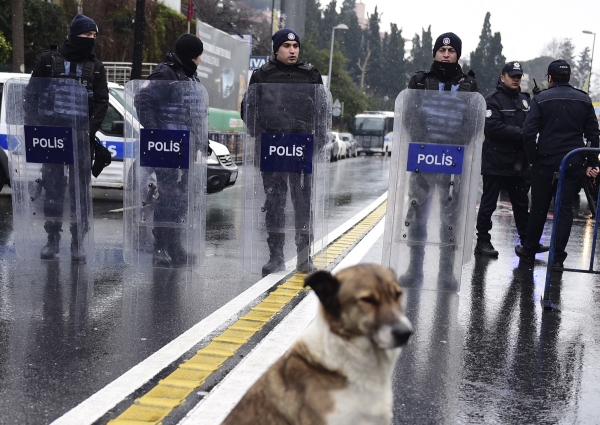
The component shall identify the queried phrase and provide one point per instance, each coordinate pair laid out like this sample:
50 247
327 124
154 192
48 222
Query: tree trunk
138 39
18 44
363 68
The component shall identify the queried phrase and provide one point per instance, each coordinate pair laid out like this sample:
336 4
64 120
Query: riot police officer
504 163
285 67
445 75
562 116
180 65
72 59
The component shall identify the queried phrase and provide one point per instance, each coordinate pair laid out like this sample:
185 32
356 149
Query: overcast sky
526 26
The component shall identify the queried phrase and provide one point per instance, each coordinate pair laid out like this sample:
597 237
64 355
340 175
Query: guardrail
120 72
546 302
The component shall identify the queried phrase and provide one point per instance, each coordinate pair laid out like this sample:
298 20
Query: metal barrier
557 202
119 72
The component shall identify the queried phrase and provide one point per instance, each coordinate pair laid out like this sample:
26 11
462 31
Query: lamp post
337 27
591 60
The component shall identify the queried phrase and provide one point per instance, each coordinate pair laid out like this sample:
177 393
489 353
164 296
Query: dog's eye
370 299
397 295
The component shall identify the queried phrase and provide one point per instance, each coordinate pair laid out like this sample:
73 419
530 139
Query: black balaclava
188 47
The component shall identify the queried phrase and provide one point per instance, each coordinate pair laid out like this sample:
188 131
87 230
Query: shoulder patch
525 103
488 113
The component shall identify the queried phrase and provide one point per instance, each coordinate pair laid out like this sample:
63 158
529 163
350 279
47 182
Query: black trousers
542 191
55 184
276 187
517 188
171 206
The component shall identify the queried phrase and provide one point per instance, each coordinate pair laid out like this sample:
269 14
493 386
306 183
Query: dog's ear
326 286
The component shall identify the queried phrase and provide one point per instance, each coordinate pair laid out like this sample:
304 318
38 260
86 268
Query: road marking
96 406
215 407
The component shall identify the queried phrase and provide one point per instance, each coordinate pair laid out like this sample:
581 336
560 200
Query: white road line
96 406
215 407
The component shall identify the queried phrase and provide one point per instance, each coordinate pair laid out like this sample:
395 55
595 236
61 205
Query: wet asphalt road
66 331
490 354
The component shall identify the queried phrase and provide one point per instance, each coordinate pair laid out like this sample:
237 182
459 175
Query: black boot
77 251
179 255
160 254
413 277
446 280
52 248
276 261
304 263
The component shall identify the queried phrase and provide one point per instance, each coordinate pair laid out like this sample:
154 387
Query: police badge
525 103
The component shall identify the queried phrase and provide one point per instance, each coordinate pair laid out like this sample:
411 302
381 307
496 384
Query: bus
374 130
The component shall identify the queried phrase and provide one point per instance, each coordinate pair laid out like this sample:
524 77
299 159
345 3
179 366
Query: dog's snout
402 333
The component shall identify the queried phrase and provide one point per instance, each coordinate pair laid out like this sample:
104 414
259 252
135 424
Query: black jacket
503 150
562 115
171 70
98 103
276 72
430 81
162 105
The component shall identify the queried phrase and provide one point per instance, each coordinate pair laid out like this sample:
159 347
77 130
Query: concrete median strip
188 376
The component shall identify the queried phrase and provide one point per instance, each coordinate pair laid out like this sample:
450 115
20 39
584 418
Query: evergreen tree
350 40
487 59
374 71
581 70
394 71
421 53
330 20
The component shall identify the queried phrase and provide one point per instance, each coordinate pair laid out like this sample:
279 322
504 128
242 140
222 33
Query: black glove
102 158
536 90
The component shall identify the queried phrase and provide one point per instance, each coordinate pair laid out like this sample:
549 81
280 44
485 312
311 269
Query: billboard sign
224 67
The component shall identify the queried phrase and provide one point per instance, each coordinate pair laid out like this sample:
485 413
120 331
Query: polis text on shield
164 146
50 143
434 159
286 150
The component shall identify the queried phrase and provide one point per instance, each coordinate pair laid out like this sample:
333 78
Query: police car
221 170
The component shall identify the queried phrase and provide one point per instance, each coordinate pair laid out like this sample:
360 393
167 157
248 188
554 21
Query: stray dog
339 371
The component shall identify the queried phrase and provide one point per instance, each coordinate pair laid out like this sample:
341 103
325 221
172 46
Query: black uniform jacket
503 150
171 70
98 105
276 72
562 115
430 81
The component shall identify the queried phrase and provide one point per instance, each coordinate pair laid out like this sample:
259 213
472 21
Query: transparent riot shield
166 143
433 187
49 149
285 177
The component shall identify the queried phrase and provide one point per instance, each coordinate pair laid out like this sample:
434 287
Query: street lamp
592 59
337 27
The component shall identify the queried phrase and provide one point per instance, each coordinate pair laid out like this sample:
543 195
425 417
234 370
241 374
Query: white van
222 171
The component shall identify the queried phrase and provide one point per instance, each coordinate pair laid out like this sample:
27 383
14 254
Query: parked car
221 170
4 174
338 150
351 144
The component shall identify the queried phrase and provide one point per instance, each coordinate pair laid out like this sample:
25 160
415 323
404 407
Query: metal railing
557 202
120 72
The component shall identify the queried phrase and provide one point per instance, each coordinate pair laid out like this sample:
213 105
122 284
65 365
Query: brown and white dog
339 371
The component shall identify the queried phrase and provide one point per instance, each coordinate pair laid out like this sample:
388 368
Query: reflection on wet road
490 354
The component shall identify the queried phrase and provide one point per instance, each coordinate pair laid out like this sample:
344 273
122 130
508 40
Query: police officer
72 59
284 67
562 115
180 65
504 163
445 75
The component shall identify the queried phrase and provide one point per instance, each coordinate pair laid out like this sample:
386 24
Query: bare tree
363 68
138 39
18 44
